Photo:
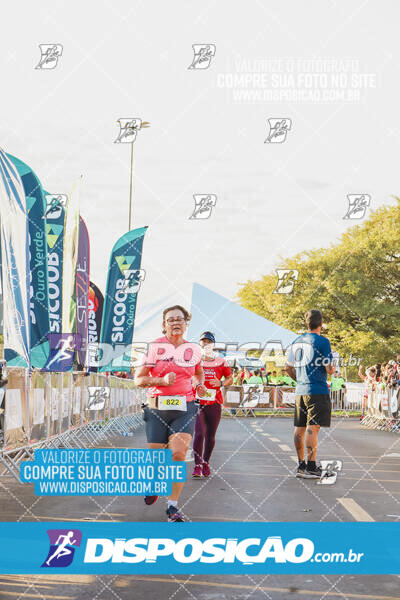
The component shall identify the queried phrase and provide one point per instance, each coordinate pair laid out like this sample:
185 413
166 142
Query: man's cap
207 335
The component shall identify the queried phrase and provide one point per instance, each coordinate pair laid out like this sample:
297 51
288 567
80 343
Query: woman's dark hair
313 319
186 314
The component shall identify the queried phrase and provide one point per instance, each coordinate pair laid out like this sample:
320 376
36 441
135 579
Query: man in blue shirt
309 362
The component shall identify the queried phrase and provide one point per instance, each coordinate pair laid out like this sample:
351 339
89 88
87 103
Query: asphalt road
253 466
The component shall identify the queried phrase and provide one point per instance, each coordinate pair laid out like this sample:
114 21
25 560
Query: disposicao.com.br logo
248 551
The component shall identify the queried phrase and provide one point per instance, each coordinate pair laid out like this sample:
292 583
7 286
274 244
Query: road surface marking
336 456
84 520
285 447
26 595
275 439
288 474
241 586
50 579
355 509
295 459
342 477
208 518
24 583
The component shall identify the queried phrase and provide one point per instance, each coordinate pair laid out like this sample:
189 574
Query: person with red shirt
214 367
168 370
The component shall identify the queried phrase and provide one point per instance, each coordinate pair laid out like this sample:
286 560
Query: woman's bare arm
143 380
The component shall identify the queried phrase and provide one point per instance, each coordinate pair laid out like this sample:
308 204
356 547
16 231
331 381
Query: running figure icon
62 549
63 543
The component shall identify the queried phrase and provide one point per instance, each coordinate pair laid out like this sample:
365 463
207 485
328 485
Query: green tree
355 283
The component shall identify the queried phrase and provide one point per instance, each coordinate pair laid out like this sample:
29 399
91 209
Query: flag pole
130 189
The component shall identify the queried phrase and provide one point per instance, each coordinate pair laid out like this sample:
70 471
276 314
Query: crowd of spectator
382 376
261 376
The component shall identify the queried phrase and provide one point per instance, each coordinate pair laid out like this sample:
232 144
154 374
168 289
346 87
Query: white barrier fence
67 410
382 409
54 410
249 400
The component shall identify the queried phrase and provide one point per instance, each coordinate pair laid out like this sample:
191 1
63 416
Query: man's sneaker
312 473
206 470
301 469
197 472
174 516
149 500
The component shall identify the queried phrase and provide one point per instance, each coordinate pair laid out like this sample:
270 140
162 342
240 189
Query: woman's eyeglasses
177 320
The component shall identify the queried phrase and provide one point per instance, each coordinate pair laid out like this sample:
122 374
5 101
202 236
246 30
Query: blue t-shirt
310 354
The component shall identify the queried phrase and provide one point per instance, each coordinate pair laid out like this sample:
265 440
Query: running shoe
149 500
312 473
197 472
206 470
301 469
174 516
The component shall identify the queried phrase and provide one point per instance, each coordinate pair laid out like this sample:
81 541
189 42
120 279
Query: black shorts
160 424
313 409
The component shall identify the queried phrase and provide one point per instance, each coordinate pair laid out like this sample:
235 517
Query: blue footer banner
208 548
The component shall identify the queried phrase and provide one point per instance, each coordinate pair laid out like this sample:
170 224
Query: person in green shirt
272 378
280 378
237 380
289 381
337 383
256 378
285 379
338 387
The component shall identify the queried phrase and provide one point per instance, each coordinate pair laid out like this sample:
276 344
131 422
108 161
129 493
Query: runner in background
170 412
214 367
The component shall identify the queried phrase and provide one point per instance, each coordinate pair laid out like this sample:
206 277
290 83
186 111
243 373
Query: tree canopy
354 282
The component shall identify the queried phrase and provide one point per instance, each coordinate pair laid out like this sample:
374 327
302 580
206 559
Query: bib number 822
172 402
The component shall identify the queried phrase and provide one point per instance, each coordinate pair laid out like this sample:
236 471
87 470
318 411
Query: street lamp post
127 134
130 189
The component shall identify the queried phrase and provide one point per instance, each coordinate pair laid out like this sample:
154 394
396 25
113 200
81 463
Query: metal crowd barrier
64 410
248 400
382 409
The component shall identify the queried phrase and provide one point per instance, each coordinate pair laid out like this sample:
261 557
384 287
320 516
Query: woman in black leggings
209 416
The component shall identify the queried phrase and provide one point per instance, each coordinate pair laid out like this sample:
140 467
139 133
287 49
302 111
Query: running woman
170 412
209 416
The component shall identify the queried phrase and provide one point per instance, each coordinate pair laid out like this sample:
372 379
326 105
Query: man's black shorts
314 409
